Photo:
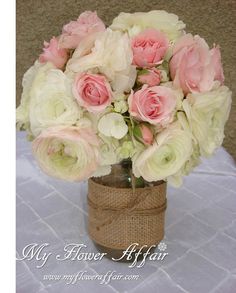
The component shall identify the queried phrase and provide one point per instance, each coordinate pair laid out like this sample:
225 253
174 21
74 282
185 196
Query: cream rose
171 150
68 153
52 102
207 114
134 23
111 56
22 112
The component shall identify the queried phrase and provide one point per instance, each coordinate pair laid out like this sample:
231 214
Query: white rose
171 150
22 112
52 102
113 124
134 23
207 114
112 56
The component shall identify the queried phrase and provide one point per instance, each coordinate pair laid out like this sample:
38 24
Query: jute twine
121 216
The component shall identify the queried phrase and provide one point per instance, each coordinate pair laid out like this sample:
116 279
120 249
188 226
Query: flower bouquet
141 98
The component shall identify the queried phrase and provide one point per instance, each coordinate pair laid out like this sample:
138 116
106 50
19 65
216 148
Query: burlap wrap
121 216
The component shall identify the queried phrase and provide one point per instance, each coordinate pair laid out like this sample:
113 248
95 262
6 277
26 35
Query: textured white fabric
200 232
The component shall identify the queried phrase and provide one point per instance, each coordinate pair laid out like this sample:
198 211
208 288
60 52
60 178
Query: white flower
176 179
108 156
120 104
68 153
113 124
207 114
108 146
52 102
134 23
173 147
22 112
126 150
112 56
162 246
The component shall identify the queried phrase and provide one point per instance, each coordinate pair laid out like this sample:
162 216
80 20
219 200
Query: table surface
200 234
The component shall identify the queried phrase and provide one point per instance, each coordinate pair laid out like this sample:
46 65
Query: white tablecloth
200 233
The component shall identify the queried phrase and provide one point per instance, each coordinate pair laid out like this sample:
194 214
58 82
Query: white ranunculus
194 160
113 124
22 112
171 150
207 114
67 152
134 23
52 102
112 56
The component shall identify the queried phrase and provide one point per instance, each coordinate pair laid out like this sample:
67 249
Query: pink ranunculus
68 153
149 48
92 91
52 53
151 77
193 66
152 104
73 32
216 59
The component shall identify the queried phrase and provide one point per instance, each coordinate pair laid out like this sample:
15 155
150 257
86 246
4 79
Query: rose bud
143 134
150 76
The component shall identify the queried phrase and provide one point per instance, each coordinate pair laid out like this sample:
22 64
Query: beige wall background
214 20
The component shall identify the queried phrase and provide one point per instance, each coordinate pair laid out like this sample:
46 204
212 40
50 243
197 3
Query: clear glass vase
121 176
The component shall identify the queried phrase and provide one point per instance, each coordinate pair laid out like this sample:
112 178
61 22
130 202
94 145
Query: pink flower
149 48
68 153
193 66
143 133
73 32
52 53
152 104
92 91
216 60
151 77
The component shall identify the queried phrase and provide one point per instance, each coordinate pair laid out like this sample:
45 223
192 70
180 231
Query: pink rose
92 91
150 76
152 104
143 133
73 32
52 53
68 153
216 59
149 48
193 66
